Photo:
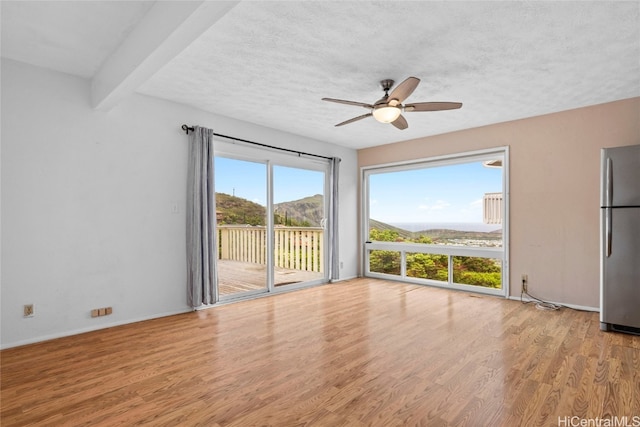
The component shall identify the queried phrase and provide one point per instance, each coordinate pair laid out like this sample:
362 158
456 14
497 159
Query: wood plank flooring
357 353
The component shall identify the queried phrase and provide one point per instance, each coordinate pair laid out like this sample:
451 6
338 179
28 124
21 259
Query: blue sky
439 194
248 180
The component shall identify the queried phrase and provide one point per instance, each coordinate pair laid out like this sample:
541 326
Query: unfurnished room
322 213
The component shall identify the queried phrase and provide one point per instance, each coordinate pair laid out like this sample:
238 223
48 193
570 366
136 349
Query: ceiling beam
165 31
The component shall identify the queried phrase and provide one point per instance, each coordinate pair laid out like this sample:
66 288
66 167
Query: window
440 221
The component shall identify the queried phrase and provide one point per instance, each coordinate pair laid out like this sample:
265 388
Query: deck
237 276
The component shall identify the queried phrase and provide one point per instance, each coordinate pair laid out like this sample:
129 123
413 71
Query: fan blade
432 106
400 123
355 119
342 101
404 89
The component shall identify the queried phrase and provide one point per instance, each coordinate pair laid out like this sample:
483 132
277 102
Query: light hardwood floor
361 352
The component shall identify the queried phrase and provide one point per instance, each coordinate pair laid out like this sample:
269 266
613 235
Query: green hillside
436 235
236 210
444 234
381 226
308 211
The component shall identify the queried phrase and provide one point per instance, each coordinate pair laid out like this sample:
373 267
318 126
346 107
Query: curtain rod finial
187 129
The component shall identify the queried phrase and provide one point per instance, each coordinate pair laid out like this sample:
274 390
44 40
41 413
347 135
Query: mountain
378 225
236 210
309 210
444 234
437 235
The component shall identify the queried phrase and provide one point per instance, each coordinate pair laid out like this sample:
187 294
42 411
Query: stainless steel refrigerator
620 239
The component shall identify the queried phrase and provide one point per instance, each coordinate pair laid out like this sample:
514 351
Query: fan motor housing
386 84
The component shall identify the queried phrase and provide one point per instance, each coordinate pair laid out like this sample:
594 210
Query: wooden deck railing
296 248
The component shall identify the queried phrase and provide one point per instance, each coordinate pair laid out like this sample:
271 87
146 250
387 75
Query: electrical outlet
525 282
98 312
28 310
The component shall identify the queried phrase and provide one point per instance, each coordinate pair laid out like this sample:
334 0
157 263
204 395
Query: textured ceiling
270 63
73 37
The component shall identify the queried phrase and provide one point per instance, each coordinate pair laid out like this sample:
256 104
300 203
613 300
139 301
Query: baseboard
573 306
343 279
89 329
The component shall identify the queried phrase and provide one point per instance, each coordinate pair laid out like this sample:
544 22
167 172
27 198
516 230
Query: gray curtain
201 220
334 259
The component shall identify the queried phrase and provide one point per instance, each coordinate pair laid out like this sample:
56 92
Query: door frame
271 158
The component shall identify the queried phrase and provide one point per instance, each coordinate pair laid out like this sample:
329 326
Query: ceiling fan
388 109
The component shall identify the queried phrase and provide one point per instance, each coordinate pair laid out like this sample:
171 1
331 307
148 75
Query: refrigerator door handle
609 197
607 213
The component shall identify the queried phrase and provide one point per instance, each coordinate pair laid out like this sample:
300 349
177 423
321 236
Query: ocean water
460 226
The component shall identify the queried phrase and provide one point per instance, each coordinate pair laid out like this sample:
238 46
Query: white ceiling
270 63
74 37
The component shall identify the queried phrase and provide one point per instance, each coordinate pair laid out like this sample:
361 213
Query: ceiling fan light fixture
386 113
388 109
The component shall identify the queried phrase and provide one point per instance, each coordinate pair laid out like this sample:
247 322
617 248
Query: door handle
608 232
609 198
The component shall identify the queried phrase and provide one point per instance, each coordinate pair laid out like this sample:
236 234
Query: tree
384 235
466 270
384 262
427 266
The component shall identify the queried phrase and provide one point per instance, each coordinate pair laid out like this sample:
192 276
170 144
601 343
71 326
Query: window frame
449 250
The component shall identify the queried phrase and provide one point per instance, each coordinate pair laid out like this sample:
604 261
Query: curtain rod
299 153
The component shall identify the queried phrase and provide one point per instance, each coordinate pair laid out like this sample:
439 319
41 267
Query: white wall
86 204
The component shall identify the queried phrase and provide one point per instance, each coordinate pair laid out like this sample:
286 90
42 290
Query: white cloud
472 212
476 204
437 206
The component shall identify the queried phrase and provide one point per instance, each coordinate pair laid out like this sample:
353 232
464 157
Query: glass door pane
299 217
241 200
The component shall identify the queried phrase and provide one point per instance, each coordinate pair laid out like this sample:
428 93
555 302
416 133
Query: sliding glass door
241 199
299 218
271 219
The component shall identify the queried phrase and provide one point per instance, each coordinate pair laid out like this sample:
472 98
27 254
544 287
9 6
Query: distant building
492 202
